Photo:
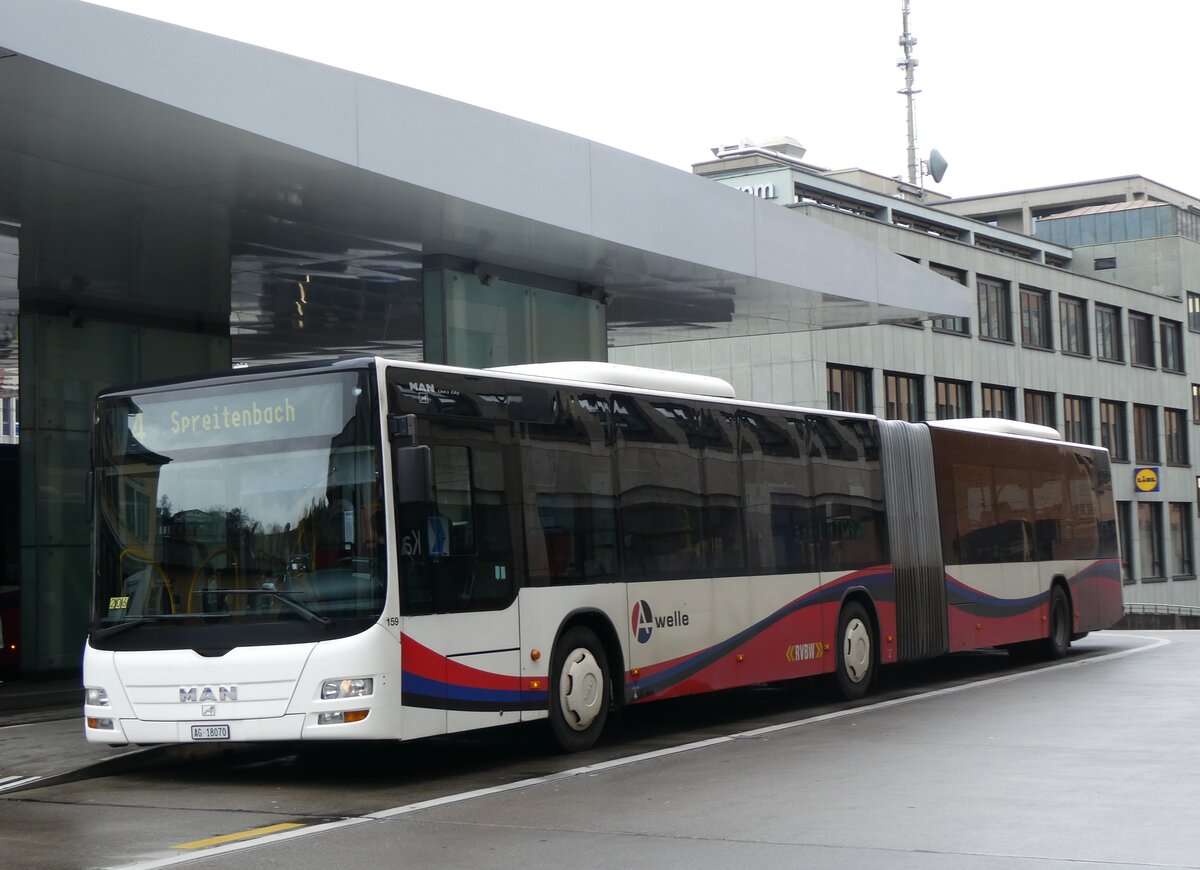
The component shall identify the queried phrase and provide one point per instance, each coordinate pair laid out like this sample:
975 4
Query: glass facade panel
486 326
480 321
567 327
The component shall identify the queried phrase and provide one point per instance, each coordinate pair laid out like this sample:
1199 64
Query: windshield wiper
283 598
121 626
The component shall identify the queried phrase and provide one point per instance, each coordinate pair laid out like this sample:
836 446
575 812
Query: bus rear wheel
1059 640
855 663
579 689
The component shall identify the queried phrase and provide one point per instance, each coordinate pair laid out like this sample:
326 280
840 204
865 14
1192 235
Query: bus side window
450 531
570 512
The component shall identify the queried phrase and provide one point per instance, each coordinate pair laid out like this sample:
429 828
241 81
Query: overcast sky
1015 94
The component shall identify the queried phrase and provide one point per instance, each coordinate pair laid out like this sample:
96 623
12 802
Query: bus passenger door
458 580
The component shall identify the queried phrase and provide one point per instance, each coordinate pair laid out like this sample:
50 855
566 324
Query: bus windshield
251 509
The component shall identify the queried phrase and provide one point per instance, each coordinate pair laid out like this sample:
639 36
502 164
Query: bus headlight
331 690
95 697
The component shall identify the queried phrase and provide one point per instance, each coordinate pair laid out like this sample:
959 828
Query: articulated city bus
370 549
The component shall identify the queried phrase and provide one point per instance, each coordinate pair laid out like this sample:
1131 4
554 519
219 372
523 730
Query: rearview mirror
414 474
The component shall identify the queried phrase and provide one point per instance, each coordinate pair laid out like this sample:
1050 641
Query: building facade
1087 319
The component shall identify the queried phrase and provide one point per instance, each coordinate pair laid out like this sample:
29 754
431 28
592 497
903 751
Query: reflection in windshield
239 526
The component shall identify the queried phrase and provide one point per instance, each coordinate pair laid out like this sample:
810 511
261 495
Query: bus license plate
210 732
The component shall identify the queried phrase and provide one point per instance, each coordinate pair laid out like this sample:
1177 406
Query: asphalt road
963 763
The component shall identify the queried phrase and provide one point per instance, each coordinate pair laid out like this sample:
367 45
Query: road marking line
16 782
669 751
241 835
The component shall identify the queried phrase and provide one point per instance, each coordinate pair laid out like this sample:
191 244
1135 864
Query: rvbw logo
644 622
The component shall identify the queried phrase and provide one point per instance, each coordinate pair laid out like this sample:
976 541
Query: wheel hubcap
856 650
581 689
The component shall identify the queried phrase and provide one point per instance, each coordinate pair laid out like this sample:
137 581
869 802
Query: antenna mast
907 41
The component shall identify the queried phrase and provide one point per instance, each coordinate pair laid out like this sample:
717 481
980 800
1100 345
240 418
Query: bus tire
1059 640
855 661
580 689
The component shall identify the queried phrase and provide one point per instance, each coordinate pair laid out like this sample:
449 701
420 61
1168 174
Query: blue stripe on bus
426 687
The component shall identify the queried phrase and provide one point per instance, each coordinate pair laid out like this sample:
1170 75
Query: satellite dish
937 165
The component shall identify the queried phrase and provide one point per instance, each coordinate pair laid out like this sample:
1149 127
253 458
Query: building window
1141 339
1170 334
1035 318
849 389
1175 432
1125 533
1101 263
995 316
1193 300
1150 551
1196 403
1072 325
1112 430
998 401
904 397
957 325
1145 433
1108 333
1039 407
1182 559
1077 419
953 399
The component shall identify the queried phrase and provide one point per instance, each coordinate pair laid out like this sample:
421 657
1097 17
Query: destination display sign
297 408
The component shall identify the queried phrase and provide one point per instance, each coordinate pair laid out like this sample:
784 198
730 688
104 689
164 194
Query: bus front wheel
579 689
855 652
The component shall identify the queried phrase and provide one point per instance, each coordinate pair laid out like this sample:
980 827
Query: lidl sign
1145 479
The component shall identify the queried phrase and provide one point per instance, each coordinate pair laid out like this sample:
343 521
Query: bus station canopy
298 167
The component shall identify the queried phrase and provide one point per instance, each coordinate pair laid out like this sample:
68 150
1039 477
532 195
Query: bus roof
617 375
999 426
